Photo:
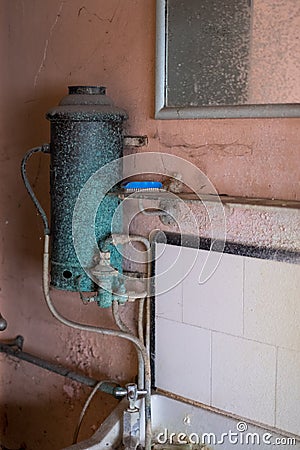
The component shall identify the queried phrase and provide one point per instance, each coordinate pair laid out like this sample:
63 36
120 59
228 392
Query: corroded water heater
86 134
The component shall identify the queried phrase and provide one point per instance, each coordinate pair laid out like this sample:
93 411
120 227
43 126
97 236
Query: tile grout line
226 333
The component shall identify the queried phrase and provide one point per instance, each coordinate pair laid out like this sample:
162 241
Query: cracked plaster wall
46 46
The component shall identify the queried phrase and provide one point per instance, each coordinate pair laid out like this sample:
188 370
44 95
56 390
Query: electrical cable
44 149
105 332
123 327
124 335
124 239
85 407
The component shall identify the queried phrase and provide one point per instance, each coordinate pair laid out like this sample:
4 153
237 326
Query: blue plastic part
143 185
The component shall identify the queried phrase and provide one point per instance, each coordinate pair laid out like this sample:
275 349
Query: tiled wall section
234 341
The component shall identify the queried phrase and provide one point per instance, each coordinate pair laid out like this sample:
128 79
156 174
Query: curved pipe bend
102 331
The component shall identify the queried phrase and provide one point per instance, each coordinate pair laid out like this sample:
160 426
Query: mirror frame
163 111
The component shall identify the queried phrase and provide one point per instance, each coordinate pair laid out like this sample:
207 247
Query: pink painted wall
46 46
275 53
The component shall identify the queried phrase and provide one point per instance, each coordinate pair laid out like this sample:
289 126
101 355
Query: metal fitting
131 416
110 282
130 391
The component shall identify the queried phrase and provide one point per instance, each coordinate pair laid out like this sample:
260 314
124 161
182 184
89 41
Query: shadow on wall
36 132
43 415
24 127
54 428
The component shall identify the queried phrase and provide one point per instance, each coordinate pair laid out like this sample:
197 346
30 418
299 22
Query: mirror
232 58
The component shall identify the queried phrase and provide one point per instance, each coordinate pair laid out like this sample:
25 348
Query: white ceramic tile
243 377
182 360
288 391
272 302
172 416
218 303
168 286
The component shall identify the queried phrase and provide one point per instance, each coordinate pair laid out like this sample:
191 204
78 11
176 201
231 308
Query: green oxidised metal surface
86 134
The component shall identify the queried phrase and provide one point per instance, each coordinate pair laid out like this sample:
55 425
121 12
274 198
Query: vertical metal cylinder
86 134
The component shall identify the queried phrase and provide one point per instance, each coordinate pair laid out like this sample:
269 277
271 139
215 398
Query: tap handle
130 391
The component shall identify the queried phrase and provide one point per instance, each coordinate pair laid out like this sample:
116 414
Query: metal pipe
123 327
141 320
151 240
122 239
102 331
13 350
148 301
117 318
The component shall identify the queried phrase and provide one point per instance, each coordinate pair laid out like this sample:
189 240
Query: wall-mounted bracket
135 141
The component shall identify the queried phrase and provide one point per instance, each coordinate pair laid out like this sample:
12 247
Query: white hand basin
174 421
